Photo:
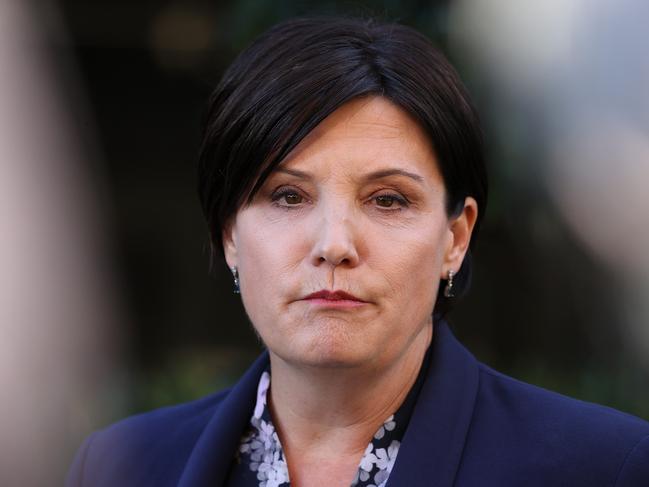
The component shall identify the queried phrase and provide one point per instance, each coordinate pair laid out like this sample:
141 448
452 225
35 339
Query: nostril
335 261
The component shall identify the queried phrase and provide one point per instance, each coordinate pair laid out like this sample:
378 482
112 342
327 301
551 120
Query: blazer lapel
210 461
431 449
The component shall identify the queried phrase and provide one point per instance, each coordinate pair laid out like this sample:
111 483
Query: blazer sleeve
75 476
635 470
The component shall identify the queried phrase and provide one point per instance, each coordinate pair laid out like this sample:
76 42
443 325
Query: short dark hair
300 71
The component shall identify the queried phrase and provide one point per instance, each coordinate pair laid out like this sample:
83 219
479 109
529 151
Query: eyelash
280 193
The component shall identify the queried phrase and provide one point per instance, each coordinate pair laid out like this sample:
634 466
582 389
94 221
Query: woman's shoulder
183 417
543 431
155 448
531 401
163 437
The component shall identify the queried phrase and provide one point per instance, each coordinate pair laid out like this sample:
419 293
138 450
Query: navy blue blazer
471 427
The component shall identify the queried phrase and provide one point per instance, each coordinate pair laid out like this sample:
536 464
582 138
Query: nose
336 240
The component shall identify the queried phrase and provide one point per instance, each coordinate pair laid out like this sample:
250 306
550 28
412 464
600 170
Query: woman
341 174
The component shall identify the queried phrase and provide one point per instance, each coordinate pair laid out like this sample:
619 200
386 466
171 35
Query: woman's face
357 208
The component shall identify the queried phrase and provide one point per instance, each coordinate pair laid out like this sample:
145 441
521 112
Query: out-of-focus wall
569 88
58 304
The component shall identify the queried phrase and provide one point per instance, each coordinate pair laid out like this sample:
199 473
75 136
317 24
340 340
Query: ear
229 237
460 228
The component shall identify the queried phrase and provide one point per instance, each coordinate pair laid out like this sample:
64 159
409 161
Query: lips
333 296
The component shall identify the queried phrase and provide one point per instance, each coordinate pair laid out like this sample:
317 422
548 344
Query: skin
357 207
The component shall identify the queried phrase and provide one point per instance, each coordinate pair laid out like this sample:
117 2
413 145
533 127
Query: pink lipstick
335 299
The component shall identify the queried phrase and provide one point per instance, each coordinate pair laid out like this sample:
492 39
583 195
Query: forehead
363 135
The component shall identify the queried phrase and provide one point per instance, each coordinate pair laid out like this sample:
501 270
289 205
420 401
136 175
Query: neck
334 413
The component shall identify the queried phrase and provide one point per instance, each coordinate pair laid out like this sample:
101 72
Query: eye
287 197
390 201
292 198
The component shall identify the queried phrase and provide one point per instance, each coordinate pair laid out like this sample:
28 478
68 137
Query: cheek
268 252
415 265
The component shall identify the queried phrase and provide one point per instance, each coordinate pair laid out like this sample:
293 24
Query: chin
328 350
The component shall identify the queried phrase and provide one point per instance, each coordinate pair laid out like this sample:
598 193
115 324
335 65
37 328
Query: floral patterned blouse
260 461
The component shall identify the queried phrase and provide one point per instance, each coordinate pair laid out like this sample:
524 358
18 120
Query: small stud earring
448 290
235 276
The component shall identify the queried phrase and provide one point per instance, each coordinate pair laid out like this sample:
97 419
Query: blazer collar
431 449
209 463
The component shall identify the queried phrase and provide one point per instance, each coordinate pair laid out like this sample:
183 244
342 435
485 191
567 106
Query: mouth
335 299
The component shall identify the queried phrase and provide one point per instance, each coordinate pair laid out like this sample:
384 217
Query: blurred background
107 307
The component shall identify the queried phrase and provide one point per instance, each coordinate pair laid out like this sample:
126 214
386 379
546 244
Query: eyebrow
381 173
